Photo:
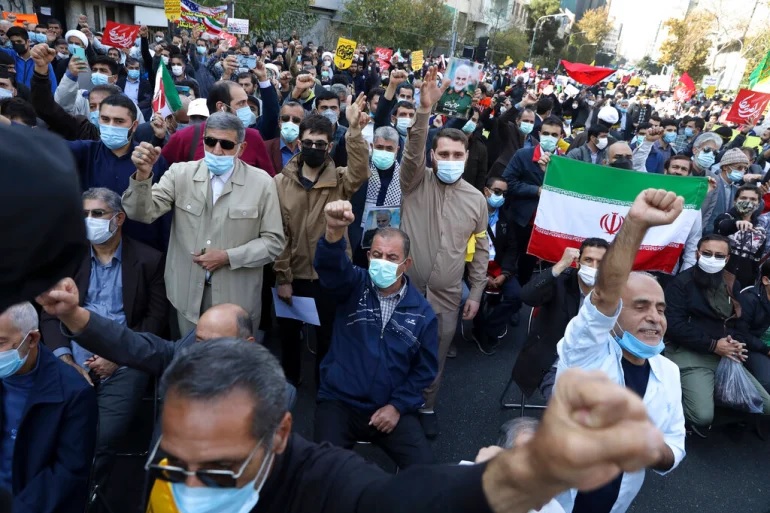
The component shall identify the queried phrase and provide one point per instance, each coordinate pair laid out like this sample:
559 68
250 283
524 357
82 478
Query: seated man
49 421
121 279
755 306
503 289
384 345
557 295
619 330
706 325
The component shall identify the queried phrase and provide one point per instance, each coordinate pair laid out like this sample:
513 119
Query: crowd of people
258 194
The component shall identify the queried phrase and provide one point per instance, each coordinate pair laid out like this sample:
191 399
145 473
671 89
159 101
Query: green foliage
511 42
648 65
273 18
688 45
595 25
413 24
547 42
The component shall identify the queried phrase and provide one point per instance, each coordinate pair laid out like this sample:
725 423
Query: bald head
619 155
225 320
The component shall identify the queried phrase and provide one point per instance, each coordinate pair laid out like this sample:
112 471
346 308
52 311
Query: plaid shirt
681 143
389 303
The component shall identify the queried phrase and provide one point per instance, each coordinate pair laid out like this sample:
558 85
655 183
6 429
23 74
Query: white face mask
711 265
601 143
177 70
587 275
98 230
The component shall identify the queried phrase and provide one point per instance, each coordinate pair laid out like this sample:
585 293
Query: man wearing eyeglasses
306 184
227 446
705 325
227 221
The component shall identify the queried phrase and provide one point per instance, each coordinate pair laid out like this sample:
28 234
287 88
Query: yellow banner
635 82
418 59
508 61
520 65
710 90
173 9
343 55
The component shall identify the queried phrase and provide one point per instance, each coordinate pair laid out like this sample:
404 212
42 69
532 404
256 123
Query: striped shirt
389 303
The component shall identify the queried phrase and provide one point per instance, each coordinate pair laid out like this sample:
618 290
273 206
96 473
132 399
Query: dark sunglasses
321 145
97 212
499 192
211 478
211 142
294 119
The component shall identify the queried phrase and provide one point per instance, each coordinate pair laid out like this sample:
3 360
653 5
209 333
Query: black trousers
526 262
118 399
343 426
291 344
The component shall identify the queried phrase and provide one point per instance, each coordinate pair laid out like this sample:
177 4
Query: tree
373 22
595 25
688 44
274 18
512 43
648 65
547 41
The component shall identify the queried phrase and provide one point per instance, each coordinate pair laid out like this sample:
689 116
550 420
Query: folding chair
522 405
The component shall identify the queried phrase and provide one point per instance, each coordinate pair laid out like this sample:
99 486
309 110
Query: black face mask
622 163
313 157
20 48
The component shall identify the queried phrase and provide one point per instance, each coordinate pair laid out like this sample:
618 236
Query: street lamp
534 33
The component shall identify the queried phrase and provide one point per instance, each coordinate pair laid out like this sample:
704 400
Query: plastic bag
734 389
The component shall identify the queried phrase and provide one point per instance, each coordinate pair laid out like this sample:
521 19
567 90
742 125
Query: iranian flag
580 200
166 99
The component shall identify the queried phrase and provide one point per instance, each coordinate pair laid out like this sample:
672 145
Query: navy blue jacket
99 167
368 367
524 178
55 444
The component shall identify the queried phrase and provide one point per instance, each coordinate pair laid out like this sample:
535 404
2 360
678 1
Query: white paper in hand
301 308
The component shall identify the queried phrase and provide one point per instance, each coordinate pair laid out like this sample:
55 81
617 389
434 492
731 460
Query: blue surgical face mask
94 117
201 50
705 160
735 175
289 131
687 131
206 499
247 117
383 272
469 127
99 79
5 93
11 361
548 143
449 171
669 137
383 159
639 140
525 127
114 137
496 200
133 74
219 164
402 124
636 347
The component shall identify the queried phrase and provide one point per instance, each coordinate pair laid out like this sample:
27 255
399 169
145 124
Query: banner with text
119 35
748 106
208 19
238 26
343 55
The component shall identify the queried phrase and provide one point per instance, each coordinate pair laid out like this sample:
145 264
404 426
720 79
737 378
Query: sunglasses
97 213
211 142
294 119
211 478
321 145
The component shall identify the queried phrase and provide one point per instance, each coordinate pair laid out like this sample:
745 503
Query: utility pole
454 33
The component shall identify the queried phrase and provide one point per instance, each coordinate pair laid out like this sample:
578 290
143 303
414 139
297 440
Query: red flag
585 74
748 106
383 57
686 90
118 35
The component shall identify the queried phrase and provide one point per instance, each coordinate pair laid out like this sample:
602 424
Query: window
110 11
96 27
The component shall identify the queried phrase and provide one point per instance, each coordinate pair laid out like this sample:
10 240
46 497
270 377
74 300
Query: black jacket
144 98
557 300
524 178
756 312
692 323
327 479
504 240
72 128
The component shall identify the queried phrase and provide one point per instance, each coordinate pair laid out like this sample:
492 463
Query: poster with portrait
376 218
463 75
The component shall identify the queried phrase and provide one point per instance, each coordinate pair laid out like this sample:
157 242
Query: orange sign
20 18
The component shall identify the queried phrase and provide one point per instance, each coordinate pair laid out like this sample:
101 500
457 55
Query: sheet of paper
301 308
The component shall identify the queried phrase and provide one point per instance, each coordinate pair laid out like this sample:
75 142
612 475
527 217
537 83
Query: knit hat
78 34
608 114
734 156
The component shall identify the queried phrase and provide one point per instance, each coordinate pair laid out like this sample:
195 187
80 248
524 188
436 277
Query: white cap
198 108
609 114
78 34
328 55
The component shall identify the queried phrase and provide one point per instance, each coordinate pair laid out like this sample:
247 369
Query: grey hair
338 88
388 133
513 428
5 23
643 273
109 197
707 137
23 316
226 121
211 370
389 232
245 325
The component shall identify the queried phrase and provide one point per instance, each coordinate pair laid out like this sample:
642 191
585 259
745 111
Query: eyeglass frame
200 474
307 143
